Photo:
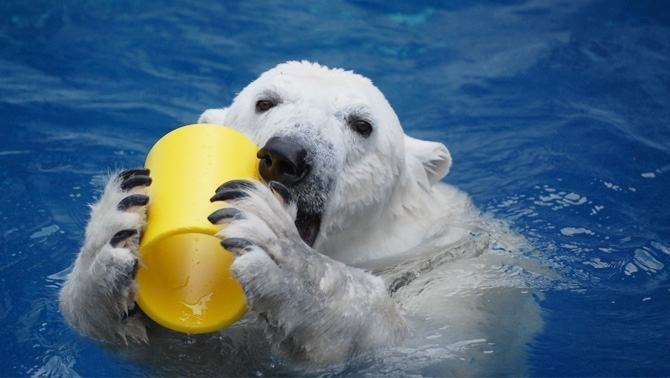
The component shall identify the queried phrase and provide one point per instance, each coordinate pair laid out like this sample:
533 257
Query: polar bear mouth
308 226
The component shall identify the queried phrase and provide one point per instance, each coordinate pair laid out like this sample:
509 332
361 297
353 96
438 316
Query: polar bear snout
287 160
283 160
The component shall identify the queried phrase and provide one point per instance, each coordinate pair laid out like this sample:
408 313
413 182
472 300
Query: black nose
282 160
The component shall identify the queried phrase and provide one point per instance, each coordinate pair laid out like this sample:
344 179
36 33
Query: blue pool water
557 114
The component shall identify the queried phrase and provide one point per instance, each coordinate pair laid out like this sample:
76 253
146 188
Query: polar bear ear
434 157
213 116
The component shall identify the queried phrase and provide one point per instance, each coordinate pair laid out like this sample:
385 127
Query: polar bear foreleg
318 311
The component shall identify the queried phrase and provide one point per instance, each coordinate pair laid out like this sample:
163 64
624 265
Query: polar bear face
349 161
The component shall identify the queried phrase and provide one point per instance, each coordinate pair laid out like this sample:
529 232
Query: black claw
133 200
282 190
225 213
122 236
135 181
229 194
236 185
236 244
128 173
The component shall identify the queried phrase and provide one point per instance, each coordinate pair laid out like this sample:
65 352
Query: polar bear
349 217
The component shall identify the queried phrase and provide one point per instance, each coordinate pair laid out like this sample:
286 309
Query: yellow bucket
184 277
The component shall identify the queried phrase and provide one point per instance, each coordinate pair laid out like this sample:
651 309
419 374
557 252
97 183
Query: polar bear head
332 137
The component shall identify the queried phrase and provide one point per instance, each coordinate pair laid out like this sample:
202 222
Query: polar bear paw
259 230
117 221
113 234
102 282
278 271
272 262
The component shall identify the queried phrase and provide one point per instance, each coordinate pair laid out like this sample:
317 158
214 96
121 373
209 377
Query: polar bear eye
264 105
362 127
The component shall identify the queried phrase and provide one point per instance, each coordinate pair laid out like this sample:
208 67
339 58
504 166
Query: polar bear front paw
121 208
260 231
121 213
101 288
276 268
262 216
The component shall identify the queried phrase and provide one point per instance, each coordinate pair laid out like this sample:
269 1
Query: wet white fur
387 205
